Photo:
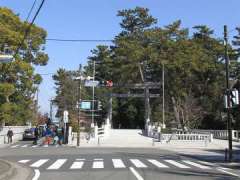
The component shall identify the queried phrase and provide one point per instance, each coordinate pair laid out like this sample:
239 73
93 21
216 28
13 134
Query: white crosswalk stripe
196 164
57 164
26 145
15 146
24 161
157 163
177 164
118 163
138 163
77 165
39 163
97 165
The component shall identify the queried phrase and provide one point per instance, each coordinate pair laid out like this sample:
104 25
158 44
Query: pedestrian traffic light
234 97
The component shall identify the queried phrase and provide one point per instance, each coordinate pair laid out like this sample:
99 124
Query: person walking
9 135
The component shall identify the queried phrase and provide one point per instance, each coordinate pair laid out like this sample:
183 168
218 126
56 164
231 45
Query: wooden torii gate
146 95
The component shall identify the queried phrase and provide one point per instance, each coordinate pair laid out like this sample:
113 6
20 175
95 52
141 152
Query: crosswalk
32 146
116 163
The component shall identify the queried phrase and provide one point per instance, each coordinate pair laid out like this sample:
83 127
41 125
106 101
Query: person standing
10 135
36 135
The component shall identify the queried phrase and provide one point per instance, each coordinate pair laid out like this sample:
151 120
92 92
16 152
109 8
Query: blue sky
96 19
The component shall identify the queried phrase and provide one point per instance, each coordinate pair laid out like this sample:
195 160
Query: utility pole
163 98
79 102
229 121
93 94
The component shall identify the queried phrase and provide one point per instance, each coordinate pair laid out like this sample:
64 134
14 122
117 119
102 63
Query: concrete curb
16 171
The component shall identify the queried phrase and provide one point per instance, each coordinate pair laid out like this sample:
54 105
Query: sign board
85 105
65 116
6 58
89 83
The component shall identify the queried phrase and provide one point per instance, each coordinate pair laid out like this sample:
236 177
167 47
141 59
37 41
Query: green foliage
18 81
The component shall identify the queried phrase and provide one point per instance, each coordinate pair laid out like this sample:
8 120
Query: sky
96 19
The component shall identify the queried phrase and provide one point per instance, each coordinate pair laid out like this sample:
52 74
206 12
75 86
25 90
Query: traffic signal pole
229 121
79 103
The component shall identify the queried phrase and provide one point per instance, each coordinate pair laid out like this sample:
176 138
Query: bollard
226 155
153 142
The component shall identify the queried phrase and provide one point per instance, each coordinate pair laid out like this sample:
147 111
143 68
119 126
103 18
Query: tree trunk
176 111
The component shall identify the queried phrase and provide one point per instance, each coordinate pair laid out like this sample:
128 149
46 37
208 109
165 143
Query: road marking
118 163
98 165
57 164
196 164
35 146
24 161
177 164
80 159
26 145
77 165
157 163
15 146
45 145
98 159
39 163
37 174
136 174
138 163
227 172
206 163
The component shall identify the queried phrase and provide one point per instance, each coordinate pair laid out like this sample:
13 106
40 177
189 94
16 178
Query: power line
29 28
79 40
30 12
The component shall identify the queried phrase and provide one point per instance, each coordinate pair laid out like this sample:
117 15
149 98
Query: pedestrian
48 135
36 135
10 135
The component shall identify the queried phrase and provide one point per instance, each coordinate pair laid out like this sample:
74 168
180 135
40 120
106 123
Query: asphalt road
72 163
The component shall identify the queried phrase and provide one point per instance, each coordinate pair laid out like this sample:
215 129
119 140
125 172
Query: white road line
206 163
45 145
118 163
24 161
138 163
80 159
35 146
37 174
136 174
57 164
157 163
39 163
98 165
177 164
98 159
77 165
196 164
227 172
15 146
26 145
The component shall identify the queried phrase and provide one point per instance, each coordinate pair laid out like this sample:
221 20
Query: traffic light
108 83
99 105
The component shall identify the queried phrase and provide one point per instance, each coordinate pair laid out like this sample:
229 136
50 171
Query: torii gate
146 87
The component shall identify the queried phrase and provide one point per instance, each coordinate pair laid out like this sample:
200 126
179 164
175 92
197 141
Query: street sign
65 116
86 105
6 58
90 83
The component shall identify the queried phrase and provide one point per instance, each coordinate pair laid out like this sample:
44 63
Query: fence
219 134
